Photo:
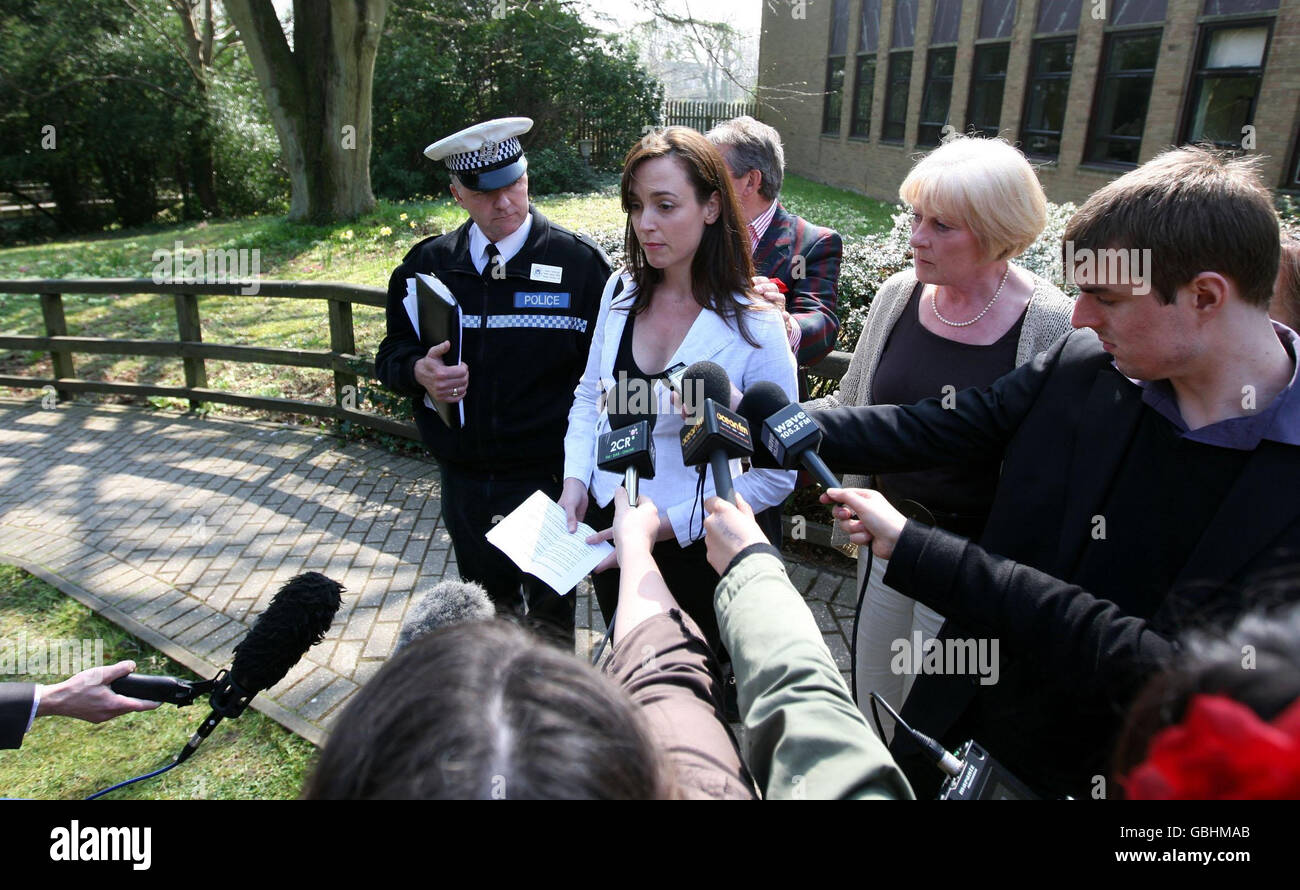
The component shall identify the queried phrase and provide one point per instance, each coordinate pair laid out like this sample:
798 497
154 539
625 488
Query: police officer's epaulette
590 242
415 247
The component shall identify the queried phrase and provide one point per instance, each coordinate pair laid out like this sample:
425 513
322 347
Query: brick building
1087 88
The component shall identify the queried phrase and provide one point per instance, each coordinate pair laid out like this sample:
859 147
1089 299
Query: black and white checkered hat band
490 156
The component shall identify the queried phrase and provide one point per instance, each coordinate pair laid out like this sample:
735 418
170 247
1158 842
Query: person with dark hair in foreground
512 717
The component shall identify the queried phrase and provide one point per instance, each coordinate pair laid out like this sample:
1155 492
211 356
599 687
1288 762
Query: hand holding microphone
728 529
876 521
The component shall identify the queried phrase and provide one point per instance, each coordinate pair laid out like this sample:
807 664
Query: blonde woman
964 315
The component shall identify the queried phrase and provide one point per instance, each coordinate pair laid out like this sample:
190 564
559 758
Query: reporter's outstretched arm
661 660
86 696
804 736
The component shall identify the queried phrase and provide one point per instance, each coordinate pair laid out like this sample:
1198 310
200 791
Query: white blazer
710 338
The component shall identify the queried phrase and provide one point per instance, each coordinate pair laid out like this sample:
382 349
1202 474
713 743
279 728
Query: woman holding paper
684 296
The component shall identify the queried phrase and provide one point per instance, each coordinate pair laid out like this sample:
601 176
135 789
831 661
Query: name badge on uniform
543 272
542 301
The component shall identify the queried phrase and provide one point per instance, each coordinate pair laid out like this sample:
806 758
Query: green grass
363 251
850 214
251 757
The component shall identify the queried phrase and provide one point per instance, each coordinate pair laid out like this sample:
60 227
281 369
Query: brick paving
180 529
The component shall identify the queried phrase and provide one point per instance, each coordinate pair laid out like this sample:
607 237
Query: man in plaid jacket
798 262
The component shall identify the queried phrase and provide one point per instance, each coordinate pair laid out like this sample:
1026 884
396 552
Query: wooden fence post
57 326
342 342
187 323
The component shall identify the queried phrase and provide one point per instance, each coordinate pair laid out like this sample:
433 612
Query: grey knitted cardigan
1047 317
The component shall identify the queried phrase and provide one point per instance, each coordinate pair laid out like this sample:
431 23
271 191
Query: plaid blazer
810 297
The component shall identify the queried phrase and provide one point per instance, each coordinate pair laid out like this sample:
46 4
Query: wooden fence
188 346
341 357
703 116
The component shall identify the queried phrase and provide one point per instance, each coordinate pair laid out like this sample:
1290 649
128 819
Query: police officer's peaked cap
486 156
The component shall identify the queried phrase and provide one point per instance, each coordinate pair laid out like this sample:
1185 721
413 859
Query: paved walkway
180 529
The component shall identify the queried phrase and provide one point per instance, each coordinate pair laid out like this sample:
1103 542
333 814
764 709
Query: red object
780 285
1221 751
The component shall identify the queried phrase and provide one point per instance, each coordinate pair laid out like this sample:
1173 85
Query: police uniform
527 329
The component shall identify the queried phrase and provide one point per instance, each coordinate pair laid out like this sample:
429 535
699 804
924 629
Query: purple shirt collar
1279 421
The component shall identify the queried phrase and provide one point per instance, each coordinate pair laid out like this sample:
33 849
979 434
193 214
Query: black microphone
715 434
299 615
275 643
448 602
787 436
629 445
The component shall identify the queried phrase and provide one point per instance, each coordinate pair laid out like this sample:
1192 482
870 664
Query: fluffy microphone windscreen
631 401
297 618
760 402
706 380
447 603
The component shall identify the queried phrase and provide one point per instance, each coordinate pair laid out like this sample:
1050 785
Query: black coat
1062 424
524 361
15 710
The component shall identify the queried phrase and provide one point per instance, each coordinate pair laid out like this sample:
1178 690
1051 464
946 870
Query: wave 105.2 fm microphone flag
715 434
787 436
629 447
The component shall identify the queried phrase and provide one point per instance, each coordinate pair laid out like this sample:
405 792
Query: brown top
670 672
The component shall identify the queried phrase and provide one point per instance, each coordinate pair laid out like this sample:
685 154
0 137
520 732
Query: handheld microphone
629 445
715 434
299 615
787 436
448 602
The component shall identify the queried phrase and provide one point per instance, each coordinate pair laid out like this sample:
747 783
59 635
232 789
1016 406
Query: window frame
864 131
890 79
1104 79
1198 73
1030 78
976 81
931 56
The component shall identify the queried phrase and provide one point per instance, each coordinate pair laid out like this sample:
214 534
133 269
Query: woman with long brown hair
683 297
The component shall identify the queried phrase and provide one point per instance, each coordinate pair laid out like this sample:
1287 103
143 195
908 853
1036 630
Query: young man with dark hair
1151 464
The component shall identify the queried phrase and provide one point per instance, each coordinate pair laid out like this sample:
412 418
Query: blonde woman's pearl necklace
934 304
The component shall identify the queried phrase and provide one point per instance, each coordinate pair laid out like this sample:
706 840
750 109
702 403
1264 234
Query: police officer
529 292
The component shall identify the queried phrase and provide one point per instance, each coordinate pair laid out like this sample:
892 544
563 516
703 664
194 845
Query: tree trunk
319 97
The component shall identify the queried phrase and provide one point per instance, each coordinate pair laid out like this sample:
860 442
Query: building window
1136 12
864 77
1229 7
1049 87
937 96
1056 16
864 86
988 80
997 18
1123 94
900 80
1225 87
835 58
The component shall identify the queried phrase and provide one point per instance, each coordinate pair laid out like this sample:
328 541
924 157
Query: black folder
439 316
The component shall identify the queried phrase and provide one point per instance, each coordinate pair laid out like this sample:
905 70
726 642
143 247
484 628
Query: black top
625 365
918 364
